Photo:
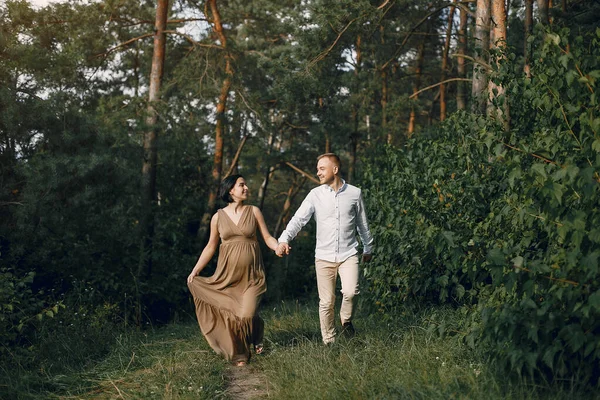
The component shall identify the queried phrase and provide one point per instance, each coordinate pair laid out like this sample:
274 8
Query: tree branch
475 60
237 155
438 84
305 174
128 42
570 282
192 41
325 52
414 28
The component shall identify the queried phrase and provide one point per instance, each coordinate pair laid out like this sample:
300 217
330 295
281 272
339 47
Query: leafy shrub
504 223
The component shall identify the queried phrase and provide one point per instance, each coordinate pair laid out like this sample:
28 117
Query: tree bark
148 183
461 100
482 45
355 135
495 91
543 7
443 104
416 84
528 28
220 124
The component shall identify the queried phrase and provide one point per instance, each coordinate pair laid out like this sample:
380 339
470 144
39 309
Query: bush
504 224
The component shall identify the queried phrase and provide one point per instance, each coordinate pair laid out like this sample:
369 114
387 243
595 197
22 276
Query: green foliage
504 224
21 311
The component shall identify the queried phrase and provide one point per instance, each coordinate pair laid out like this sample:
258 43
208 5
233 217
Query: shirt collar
341 189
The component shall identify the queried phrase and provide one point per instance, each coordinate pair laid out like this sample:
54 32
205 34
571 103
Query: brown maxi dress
227 302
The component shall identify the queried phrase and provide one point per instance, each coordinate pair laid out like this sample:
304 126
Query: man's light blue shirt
338 215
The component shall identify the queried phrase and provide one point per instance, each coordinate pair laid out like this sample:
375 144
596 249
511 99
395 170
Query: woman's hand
191 276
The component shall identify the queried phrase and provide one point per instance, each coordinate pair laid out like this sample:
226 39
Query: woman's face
239 191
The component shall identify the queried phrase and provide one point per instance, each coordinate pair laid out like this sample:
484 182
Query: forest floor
399 357
245 383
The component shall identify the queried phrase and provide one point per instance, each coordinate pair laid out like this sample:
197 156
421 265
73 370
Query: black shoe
348 330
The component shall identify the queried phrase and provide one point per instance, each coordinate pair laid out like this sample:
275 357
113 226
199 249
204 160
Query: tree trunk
287 205
443 104
416 84
148 184
211 206
461 100
528 28
355 135
384 101
499 28
482 46
269 171
543 6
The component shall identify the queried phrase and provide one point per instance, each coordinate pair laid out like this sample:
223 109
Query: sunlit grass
395 357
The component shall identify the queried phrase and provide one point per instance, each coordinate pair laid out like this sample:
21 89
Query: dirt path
247 383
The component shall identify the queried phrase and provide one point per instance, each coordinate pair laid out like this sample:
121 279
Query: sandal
240 364
259 348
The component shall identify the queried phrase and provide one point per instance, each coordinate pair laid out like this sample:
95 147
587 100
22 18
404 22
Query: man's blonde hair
333 158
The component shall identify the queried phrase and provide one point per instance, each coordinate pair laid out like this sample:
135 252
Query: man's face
326 171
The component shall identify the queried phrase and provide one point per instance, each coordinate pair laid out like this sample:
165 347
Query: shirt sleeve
362 225
300 218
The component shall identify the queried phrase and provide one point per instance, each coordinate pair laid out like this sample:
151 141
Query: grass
397 358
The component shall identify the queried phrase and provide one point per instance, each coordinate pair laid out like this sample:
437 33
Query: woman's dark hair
226 185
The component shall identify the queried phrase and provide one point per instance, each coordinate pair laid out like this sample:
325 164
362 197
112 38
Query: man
339 211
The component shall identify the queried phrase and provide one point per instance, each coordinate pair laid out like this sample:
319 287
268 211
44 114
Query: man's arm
362 225
300 218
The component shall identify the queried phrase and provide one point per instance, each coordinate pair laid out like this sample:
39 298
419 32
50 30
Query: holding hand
191 276
282 249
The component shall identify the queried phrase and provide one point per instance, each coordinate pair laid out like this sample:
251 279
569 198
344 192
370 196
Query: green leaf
548 357
518 261
442 280
594 299
539 169
449 236
460 291
496 257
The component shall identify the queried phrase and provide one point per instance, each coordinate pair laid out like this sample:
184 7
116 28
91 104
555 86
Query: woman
227 302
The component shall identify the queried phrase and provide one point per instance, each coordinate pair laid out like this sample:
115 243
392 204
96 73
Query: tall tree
499 33
528 27
482 45
461 98
444 68
149 144
355 135
418 69
220 121
543 11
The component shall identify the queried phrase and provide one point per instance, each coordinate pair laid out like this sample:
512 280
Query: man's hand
366 257
282 249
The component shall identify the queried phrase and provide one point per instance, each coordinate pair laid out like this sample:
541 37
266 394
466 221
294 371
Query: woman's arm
270 241
209 250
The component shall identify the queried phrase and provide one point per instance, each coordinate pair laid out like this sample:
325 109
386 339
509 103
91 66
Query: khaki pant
326 278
